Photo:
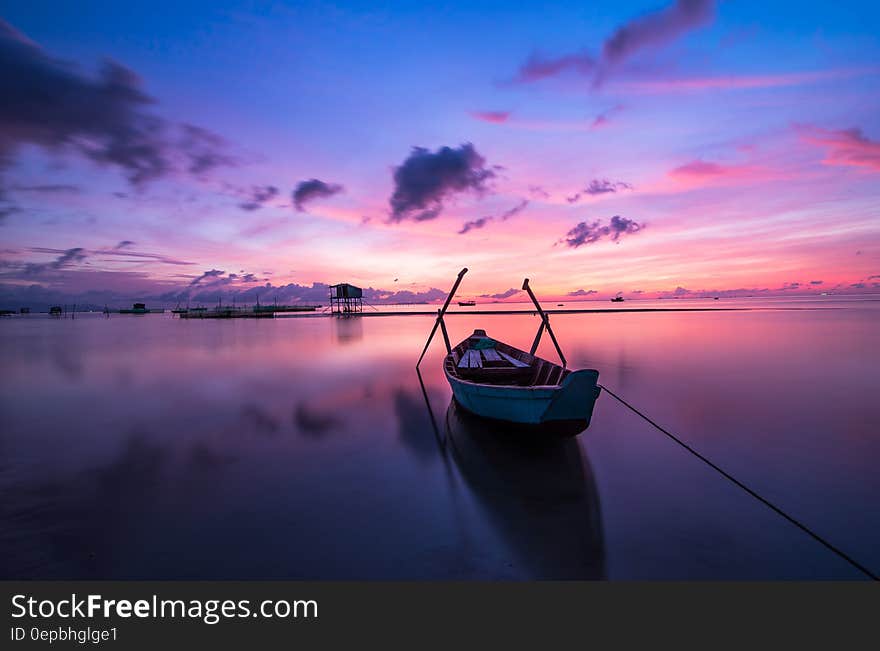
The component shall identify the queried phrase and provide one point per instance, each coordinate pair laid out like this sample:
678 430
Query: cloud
651 30
259 195
816 282
657 28
510 292
47 188
482 221
538 67
212 274
699 172
494 117
472 225
538 192
65 259
585 233
844 147
605 186
598 187
425 180
307 191
604 118
124 244
49 104
582 292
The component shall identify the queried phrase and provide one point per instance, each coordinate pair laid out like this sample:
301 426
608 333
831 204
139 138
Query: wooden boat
467 303
495 380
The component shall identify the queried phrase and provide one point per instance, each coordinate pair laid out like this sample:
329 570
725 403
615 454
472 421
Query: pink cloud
733 82
844 146
494 117
700 172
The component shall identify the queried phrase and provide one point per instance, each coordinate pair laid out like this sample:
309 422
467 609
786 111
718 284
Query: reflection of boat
495 380
538 493
467 303
617 299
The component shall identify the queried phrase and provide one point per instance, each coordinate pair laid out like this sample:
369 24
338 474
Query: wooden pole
545 322
440 314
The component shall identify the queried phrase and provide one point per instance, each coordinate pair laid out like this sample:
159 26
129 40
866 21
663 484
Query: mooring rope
748 490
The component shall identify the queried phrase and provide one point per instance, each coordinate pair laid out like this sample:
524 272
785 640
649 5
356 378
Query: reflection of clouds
538 492
74 527
68 361
259 419
314 422
95 524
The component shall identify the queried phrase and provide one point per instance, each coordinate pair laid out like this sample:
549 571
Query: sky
188 151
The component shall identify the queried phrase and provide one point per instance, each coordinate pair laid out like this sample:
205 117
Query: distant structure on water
346 299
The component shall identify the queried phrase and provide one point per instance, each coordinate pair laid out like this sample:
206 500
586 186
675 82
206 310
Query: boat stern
575 398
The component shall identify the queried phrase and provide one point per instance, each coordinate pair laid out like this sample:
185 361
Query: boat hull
563 409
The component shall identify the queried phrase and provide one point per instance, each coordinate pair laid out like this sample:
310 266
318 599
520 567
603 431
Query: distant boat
494 380
560 304
467 303
617 299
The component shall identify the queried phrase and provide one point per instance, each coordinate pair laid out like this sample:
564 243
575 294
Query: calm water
148 447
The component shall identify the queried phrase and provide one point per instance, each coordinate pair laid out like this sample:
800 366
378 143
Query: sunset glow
652 147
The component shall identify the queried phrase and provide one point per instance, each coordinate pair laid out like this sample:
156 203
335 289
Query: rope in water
864 570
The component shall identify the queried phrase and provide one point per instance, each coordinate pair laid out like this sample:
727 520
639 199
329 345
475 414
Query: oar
441 313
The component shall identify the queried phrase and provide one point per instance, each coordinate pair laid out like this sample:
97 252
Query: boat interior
484 360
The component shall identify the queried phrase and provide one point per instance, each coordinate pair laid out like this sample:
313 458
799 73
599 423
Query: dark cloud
588 233
472 225
258 195
507 214
425 180
208 275
65 259
653 29
605 186
124 244
538 192
816 282
47 188
858 285
203 150
597 187
538 67
50 104
657 28
307 191
510 292
582 292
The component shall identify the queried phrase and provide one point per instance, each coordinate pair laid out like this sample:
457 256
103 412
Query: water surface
149 447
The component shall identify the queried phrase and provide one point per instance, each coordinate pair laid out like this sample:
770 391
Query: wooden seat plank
513 360
491 355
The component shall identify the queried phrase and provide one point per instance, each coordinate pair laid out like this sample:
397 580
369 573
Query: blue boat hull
567 406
